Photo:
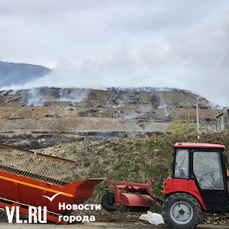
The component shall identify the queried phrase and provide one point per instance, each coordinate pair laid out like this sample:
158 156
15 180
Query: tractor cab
199 174
198 183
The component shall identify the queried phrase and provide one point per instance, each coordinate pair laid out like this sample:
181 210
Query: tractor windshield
207 169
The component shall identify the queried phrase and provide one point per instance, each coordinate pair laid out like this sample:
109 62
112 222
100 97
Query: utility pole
197 115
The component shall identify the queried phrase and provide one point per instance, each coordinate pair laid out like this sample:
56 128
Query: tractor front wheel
181 210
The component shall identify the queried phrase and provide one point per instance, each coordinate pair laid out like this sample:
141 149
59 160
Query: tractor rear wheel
181 210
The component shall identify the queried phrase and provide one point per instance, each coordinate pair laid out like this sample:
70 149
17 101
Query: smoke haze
122 44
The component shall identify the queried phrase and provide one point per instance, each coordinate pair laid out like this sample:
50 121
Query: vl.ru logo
52 198
35 214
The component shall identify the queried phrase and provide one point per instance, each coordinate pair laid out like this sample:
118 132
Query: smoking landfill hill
40 117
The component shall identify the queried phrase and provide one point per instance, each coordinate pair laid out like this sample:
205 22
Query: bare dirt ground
97 225
40 119
125 221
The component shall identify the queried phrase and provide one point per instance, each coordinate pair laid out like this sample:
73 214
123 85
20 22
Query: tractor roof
198 145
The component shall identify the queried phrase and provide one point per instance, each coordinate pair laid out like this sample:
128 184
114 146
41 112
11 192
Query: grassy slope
148 159
135 160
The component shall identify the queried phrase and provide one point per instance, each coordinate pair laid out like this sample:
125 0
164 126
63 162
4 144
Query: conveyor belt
36 165
32 175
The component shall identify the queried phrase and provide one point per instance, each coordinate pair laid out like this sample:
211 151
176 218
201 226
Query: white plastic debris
153 218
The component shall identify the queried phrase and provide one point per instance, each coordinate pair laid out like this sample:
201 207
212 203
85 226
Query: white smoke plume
194 58
37 98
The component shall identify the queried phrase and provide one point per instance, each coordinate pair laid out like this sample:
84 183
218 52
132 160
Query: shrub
182 126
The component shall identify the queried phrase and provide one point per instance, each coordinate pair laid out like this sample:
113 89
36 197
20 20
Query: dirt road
98 225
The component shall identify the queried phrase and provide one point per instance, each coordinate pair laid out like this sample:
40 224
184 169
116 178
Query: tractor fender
193 194
176 185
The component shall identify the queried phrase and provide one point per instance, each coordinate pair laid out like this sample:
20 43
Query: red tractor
198 183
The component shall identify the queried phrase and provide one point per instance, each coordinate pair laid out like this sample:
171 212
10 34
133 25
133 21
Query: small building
222 120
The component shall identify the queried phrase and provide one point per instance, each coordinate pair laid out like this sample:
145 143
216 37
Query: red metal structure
130 201
198 183
23 188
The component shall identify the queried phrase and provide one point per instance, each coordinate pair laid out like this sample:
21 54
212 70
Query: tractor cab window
181 164
207 169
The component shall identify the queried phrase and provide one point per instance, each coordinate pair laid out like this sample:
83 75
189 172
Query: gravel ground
139 224
97 225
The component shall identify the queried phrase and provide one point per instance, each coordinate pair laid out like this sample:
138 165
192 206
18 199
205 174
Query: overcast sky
121 43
